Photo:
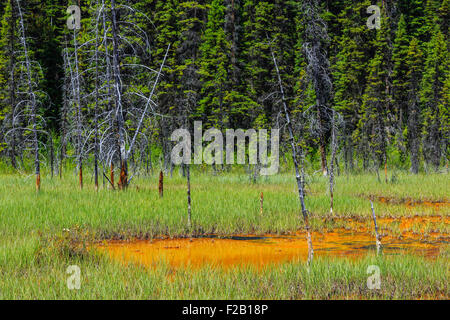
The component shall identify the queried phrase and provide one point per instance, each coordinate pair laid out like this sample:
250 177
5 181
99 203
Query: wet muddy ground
415 236
410 203
260 251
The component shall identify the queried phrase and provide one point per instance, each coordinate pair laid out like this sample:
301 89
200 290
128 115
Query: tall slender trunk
37 164
96 147
188 178
294 158
161 184
333 157
123 180
78 101
80 175
64 120
323 154
377 235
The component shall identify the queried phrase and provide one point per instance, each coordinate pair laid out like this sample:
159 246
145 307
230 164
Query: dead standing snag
378 236
301 193
32 99
161 184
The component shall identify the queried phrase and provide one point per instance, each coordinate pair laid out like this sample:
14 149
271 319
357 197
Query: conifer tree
412 84
376 108
350 71
9 48
400 82
432 96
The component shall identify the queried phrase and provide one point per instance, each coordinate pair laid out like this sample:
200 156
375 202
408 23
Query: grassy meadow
42 234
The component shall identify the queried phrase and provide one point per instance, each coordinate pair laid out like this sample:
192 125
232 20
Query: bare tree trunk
80 175
161 184
188 178
96 147
64 121
123 180
333 156
76 90
378 236
149 101
32 95
297 170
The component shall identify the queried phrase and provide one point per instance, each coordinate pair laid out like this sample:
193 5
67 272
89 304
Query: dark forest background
385 93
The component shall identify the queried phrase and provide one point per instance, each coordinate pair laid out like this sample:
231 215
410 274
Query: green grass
35 250
28 277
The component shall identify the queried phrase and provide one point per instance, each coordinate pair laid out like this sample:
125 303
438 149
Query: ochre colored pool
260 251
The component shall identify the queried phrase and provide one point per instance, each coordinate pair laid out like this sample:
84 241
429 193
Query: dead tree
64 114
31 99
318 71
188 180
125 49
298 176
123 180
161 184
333 157
78 111
377 235
74 103
96 58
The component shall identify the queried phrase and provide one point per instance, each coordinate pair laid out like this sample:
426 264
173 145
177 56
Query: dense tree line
113 91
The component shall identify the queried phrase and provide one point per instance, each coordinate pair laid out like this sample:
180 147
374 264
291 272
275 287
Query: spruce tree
412 84
350 71
376 107
400 82
431 97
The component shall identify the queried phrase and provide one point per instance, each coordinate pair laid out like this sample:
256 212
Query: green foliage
220 69
432 97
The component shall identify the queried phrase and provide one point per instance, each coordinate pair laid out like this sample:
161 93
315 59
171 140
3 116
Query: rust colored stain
161 184
254 251
434 205
415 203
405 225
38 182
408 223
123 178
112 175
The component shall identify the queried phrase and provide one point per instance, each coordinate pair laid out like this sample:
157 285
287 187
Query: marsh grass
42 234
404 277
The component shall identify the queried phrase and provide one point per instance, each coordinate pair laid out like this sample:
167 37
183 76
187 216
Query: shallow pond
260 251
